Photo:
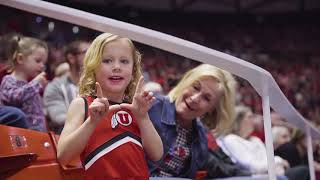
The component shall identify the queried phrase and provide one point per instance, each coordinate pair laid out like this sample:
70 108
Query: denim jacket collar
166 127
168 116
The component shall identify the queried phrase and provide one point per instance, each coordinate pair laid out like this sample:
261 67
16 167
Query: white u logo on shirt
121 117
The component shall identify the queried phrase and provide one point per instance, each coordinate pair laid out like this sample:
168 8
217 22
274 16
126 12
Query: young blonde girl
109 126
22 87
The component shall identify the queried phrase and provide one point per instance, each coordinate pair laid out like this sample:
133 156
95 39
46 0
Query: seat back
32 154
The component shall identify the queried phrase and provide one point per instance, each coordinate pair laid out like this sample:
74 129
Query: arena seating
36 157
27 153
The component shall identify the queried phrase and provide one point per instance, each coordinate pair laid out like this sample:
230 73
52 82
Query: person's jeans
12 116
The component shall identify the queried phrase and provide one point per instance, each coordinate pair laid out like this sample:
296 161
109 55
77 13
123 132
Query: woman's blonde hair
19 44
93 59
220 118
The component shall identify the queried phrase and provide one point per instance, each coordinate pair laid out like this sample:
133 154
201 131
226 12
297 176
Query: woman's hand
142 101
100 106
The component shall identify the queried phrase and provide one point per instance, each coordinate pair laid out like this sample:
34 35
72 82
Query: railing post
310 155
267 131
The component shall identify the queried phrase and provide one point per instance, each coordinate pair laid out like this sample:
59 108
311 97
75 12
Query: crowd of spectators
289 51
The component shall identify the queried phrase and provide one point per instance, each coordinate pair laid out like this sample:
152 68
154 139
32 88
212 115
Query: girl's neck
19 75
117 98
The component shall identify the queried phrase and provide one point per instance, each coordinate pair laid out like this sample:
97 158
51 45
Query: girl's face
115 72
34 64
198 99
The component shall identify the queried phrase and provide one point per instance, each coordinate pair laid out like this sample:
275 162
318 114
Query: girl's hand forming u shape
142 101
100 106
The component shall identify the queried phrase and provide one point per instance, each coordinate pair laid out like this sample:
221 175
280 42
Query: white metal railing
260 79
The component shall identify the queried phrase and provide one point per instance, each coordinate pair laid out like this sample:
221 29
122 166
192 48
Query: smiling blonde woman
203 99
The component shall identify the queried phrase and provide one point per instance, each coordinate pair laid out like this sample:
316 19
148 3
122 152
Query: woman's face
198 99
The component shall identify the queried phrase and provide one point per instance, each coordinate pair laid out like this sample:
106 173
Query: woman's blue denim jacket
162 115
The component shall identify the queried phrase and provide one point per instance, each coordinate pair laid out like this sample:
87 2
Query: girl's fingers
140 85
103 101
114 107
150 95
147 96
42 74
152 100
149 101
126 106
145 93
97 107
99 90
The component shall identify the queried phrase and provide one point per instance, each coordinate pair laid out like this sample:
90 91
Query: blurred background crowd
284 43
287 47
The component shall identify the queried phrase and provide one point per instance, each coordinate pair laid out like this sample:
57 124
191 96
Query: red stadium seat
26 154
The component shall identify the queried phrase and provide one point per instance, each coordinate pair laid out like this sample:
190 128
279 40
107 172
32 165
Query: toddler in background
22 87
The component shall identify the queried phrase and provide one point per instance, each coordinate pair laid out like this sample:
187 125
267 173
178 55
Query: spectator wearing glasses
62 90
